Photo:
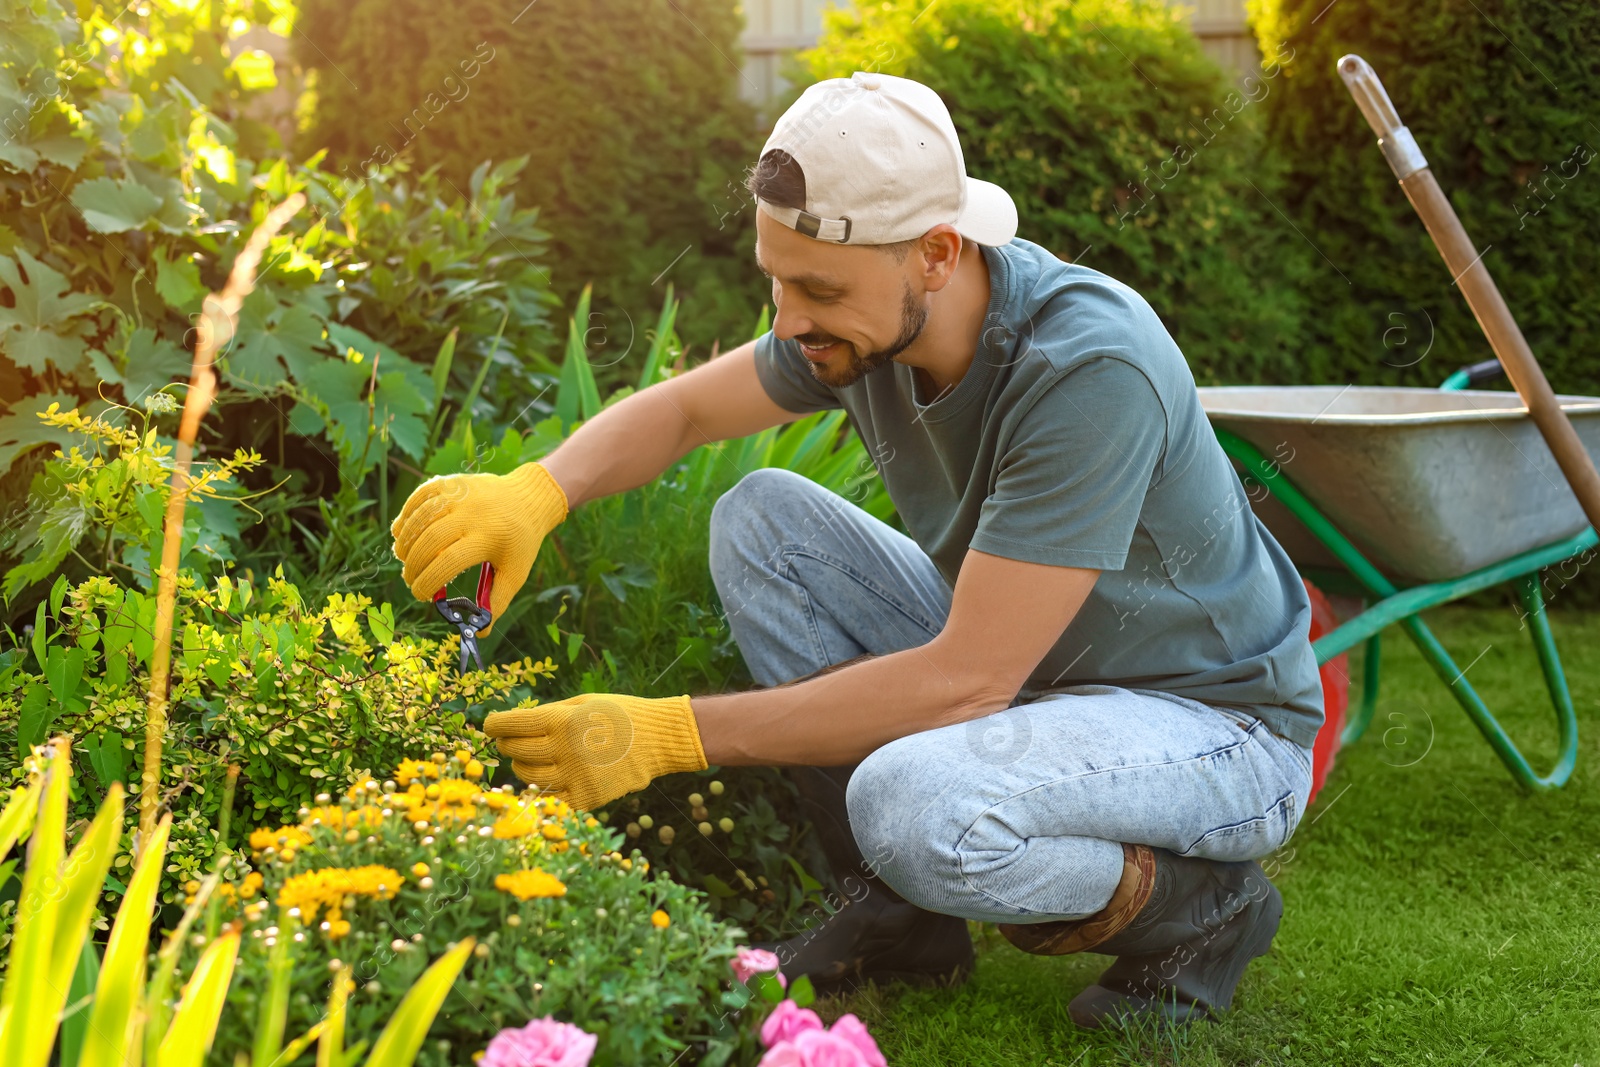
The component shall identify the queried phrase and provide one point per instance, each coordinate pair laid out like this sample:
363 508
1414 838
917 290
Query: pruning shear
469 615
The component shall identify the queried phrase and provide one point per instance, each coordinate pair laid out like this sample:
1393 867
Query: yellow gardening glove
457 520
595 747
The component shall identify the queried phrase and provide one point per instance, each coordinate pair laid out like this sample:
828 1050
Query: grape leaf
112 206
43 307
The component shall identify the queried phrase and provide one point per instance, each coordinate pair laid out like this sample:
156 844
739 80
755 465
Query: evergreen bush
628 110
1504 115
1125 148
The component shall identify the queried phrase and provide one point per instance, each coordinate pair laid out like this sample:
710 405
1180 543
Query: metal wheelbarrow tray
1430 484
1411 498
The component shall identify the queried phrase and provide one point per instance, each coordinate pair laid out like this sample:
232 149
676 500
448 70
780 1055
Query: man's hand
456 520
595 747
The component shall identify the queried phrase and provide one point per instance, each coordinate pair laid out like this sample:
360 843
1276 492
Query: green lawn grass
1435 913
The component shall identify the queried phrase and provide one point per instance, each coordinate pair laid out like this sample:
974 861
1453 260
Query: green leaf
23 429
577 396
144 630
107 756
29 1002
399 406
441 367
58 593
36 714
112 206
273 1012
658 343
801 993
400 1041
194 1021
381 620
39 636
121 617
178 281
767 987
276 342
64 672
717 887
151 363
37 328
64 151
117 997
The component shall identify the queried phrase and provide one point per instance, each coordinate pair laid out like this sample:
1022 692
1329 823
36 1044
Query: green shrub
1124 147
628 110
387 876
126 190
1504 118
299 695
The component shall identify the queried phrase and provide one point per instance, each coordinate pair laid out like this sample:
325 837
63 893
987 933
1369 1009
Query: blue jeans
1017 816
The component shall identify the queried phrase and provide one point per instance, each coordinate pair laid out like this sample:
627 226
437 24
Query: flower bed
567 924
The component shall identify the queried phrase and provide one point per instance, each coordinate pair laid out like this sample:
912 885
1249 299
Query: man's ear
939 250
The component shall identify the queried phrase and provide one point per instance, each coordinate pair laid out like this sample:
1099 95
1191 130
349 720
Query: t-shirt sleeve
1071 482
786 376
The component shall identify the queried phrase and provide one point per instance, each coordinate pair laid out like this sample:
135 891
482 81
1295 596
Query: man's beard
913 317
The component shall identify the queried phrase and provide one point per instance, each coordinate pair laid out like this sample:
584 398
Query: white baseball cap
882 164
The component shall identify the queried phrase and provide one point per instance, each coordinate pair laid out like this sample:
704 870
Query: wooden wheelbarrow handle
1466 267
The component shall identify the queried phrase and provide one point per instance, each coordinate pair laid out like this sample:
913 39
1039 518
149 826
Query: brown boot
1182 928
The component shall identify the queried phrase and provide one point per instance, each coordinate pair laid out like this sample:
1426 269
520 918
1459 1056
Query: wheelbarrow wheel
1335 692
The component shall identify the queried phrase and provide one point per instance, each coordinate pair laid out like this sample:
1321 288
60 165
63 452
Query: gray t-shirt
1076 438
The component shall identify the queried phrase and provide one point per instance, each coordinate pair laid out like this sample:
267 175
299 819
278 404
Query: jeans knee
752 526
898 826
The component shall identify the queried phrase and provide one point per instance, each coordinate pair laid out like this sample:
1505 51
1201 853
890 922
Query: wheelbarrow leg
1483 718
1370 661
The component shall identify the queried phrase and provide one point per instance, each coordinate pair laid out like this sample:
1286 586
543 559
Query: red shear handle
485 587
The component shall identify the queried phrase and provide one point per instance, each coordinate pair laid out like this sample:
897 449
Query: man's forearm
623 447
839 715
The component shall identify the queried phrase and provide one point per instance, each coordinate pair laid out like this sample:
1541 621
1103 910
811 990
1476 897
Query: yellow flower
463 755
338 928
553 831
419 869
660 919
360 789
473 769
282 837
552 806
518 821
412 769
328 886
336 817
525 885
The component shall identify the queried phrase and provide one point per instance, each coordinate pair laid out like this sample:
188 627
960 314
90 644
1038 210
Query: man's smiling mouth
818 352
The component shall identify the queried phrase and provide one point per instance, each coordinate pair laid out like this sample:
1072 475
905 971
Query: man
1077 701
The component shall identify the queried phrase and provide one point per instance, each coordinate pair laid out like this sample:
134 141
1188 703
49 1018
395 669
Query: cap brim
990 217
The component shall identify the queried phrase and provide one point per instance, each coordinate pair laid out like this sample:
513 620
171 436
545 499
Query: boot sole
1098 1007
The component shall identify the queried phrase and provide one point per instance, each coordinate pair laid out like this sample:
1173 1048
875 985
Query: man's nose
788 324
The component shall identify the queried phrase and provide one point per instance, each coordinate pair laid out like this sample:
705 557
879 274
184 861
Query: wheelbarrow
1410 498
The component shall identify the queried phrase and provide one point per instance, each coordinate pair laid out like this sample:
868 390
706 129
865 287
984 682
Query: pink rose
786 1022
854 1031
749 962
542 1043
815 1048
